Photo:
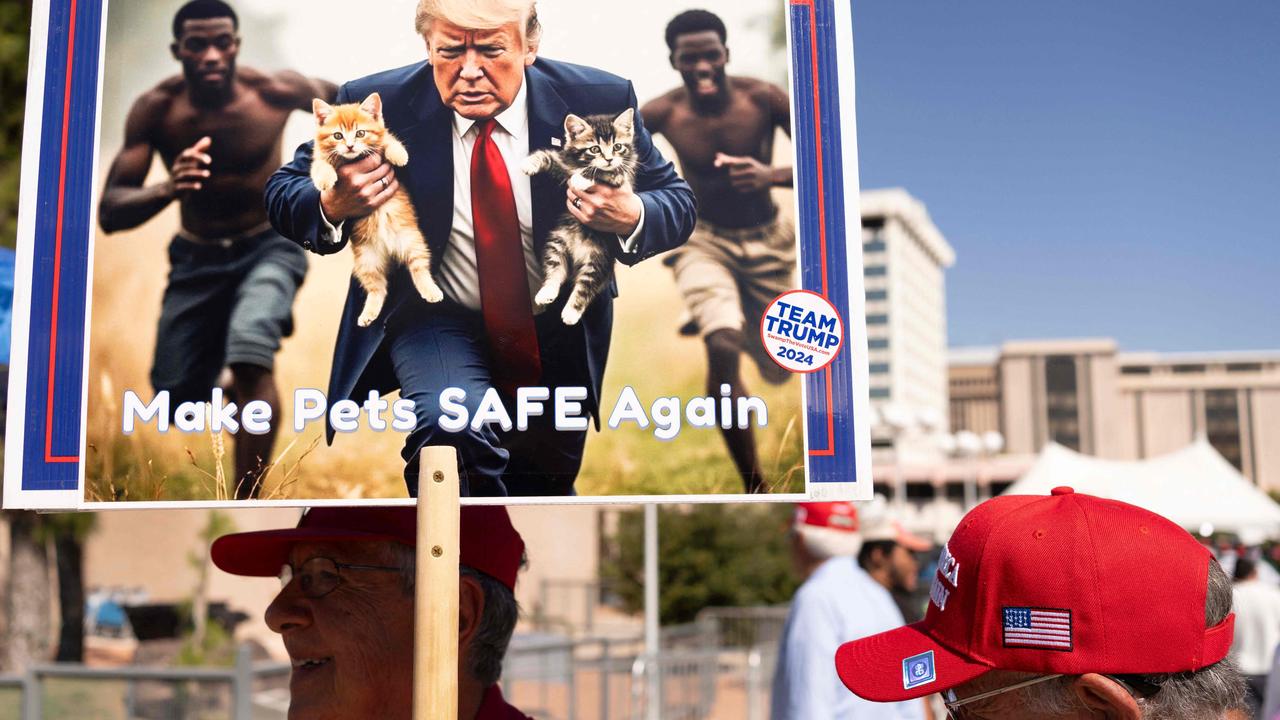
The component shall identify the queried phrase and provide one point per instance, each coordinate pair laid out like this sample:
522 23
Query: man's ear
470 610
1104 695
173 50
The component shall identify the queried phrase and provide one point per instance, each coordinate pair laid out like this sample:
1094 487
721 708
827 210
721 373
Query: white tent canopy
1195 487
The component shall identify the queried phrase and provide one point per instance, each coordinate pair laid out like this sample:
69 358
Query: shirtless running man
739 257
232 282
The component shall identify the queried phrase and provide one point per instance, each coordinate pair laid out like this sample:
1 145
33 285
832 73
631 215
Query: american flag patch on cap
1047 628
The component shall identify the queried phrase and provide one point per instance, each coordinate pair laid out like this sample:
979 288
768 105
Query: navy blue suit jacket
415 113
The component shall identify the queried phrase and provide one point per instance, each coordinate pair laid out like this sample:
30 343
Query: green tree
207 642
15 27
35 542
708 556
67 533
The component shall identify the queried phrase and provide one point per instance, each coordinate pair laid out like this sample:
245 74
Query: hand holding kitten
605 208
357 188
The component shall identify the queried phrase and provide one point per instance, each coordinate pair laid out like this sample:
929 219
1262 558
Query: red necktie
504 283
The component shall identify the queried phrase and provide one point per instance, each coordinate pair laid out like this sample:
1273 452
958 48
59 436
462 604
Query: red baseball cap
1064 583
835 515
490 543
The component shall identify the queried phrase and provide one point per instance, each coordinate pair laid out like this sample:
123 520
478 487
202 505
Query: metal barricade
189 695
554 678
686 683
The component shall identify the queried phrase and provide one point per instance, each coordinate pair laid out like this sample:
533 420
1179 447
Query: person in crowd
851 563
1257 609
345 609
740 256
1063 606
229 299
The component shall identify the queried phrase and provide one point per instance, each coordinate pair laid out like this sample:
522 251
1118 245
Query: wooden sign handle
435 642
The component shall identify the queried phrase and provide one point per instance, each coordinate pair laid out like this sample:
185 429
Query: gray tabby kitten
597 148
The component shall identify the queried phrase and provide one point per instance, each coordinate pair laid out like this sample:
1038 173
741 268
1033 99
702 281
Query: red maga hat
841 515
490 543
1065 583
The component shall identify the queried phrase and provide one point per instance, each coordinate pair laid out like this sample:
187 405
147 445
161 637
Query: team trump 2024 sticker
802 331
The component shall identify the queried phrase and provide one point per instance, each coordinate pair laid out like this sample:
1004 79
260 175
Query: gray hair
1207 693
497 621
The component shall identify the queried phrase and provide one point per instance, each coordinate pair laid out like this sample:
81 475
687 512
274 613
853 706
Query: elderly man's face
478 72
352 649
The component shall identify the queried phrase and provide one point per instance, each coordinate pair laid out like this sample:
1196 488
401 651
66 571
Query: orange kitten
348 133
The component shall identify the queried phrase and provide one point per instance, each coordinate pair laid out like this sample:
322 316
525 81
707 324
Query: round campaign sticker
802 331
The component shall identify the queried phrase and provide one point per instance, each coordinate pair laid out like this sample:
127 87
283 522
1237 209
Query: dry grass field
129 270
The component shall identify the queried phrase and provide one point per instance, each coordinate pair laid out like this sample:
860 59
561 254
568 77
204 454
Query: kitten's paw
323 176
579 183
430 292
531 165
371 310
571 315
546 296
396 155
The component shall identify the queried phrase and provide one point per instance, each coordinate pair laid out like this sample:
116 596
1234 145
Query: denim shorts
226 303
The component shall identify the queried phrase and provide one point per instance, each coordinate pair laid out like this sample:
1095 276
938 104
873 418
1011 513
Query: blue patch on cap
918 670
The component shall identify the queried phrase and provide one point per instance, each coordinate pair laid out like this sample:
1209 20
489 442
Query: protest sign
187 327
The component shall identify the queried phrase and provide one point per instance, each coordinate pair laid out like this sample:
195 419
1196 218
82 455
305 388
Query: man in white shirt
839 601
1257 607
468 116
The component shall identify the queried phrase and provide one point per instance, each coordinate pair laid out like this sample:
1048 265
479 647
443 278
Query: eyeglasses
1137 685
952 702
320 576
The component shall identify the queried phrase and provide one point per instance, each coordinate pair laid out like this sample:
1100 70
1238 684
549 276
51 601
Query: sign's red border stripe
49 457
830 450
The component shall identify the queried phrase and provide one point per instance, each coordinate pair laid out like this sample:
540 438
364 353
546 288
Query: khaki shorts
727 276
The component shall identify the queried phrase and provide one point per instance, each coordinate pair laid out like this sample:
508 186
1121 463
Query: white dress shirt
457 273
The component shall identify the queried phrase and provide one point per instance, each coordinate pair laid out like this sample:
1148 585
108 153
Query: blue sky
1102 169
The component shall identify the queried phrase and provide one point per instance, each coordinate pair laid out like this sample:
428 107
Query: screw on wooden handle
438 476
437 551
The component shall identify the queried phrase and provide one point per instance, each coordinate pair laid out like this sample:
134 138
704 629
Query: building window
1061 400
1222 424
879 393
878 319
878 343
879 368
875 271
1189 369
873 245
877 295
1244 367
1135 370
